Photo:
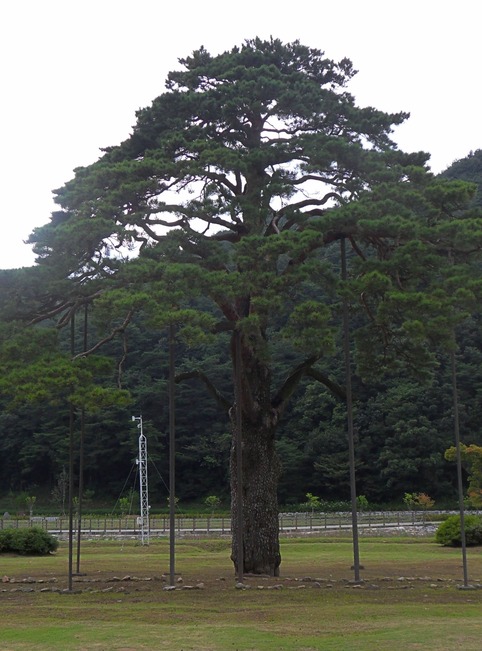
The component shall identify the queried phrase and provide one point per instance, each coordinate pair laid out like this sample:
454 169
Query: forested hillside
403 424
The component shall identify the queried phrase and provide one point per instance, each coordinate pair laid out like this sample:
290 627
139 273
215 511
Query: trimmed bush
6 540
449 532
29 542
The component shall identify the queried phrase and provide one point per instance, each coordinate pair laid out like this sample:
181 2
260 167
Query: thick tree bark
261 469
260 465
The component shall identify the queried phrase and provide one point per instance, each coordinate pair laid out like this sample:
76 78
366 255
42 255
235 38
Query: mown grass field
409 599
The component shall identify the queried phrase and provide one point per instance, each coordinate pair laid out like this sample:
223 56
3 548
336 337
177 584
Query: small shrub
418 501
33 541
362 503
409 500
212 502
449 532
312 502
125 506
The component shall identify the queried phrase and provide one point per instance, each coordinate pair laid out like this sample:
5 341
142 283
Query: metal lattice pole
144 488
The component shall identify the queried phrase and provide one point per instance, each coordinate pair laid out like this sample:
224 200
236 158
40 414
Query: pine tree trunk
260 503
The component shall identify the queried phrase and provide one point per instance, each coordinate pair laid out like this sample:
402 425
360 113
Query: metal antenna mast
144 489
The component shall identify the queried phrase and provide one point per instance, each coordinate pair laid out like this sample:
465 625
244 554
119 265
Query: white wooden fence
288 523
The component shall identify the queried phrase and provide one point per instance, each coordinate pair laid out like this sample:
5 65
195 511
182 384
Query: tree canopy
468 169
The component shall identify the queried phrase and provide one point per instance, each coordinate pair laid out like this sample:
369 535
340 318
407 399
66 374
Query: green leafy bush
362 503
449 532
33 541
6 540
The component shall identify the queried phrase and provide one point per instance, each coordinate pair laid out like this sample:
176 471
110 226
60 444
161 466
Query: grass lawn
409 599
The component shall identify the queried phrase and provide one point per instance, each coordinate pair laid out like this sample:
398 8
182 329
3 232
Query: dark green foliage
32 541
468 169
6 538
402 429
449 532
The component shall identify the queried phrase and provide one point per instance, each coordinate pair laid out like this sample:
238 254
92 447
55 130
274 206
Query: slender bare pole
71 467
81 457
349 416
81 487
172 460
239 458
460 485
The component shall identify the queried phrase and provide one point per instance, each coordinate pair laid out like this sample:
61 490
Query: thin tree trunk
238 445
349 416
460 485
172 457
81 488
71 468
81 457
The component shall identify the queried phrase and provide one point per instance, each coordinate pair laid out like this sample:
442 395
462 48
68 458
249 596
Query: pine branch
335 388
222 402
118 330
289 385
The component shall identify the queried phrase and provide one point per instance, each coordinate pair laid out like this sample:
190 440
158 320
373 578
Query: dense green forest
403 426
252 210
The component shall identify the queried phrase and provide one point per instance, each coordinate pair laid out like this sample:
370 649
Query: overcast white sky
74 72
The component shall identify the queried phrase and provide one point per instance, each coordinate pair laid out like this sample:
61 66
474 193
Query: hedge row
34 541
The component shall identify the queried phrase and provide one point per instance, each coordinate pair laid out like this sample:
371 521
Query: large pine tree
230 183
